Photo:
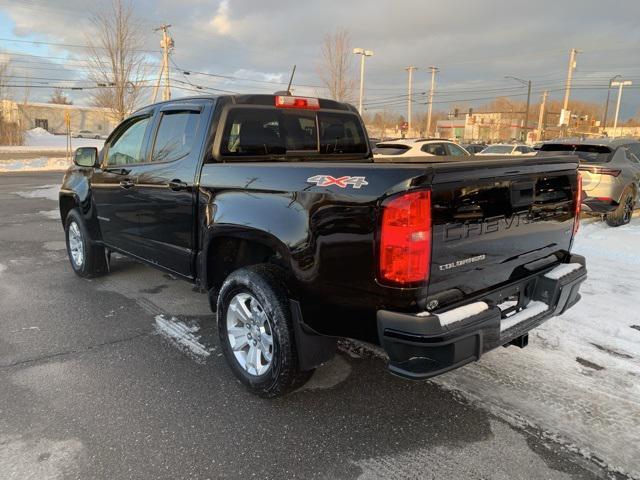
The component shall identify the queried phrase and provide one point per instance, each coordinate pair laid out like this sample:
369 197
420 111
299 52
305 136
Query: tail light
305 103
405 240
614 172
578 205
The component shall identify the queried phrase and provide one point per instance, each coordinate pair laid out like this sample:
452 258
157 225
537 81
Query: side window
176 135
634 149
126 147
434 149
455 150
522 149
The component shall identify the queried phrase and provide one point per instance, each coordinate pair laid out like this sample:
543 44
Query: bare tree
59 97
336 59
115 58
11 128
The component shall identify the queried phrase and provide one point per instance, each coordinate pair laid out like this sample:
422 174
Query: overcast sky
475 43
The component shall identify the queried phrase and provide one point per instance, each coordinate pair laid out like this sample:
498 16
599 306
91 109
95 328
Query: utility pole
619 84
541 116
606 105
410 69
523 135
565 117
364 53
166 43
431 92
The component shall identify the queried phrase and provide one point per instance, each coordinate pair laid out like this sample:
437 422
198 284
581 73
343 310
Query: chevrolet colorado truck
275 206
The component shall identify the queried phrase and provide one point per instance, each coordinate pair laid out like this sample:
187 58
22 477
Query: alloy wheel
76 246
249 333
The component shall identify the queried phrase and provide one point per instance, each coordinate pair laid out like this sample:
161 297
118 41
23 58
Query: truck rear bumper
424 345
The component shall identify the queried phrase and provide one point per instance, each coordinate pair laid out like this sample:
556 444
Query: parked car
610 170
507 149
275 206
474 148
418 148
87 134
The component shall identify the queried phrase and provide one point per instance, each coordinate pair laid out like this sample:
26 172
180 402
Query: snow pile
182 335
38 132
579 378
38 139
50 192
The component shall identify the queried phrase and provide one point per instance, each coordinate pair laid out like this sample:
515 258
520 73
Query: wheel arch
230 247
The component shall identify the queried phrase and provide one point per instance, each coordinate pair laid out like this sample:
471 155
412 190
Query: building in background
51 117
485 127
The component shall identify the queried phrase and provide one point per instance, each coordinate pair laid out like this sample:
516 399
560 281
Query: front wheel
86 258
622 215
256 331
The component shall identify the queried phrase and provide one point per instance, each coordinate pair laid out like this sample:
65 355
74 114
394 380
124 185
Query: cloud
221 21
475 44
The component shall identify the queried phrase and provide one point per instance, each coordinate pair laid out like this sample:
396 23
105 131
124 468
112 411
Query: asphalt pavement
89 389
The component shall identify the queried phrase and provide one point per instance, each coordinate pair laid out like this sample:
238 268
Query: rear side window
586 153
434 149
264 131
176 135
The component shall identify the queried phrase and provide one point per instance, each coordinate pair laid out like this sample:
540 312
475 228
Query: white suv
508 149
418 148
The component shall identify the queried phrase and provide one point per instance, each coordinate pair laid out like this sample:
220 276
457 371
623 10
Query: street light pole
606 105
409 69
565 116
619 84
523 135
431 91
363 53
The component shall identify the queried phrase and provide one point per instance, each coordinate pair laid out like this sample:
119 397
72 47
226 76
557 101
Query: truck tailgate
498 223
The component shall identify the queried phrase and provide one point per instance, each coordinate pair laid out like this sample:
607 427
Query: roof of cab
252 99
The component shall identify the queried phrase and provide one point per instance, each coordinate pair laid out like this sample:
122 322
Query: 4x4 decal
342 182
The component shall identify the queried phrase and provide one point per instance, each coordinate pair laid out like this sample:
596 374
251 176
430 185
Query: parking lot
92 388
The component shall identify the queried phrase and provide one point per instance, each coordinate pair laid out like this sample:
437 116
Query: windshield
271 131
586 153
498 149
391 148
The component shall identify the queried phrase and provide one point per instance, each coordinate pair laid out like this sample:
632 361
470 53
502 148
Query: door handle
126 183
177 185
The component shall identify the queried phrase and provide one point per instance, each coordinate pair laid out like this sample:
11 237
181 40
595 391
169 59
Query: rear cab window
586 153
260 131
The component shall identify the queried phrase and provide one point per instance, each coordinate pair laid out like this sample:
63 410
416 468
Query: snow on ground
49 192
579 378
34 164
182 335
51 214
39 139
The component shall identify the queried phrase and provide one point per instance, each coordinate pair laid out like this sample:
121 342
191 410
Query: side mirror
86 157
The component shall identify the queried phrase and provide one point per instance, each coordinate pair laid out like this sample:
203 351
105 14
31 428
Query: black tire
622 215
94 260
265 284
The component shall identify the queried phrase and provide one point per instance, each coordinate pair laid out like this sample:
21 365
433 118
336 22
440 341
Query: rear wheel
256 331
622 215
86 258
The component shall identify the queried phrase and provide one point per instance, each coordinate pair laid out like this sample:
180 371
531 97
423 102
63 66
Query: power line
66 45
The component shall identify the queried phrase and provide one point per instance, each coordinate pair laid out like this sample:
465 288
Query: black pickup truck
274 205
